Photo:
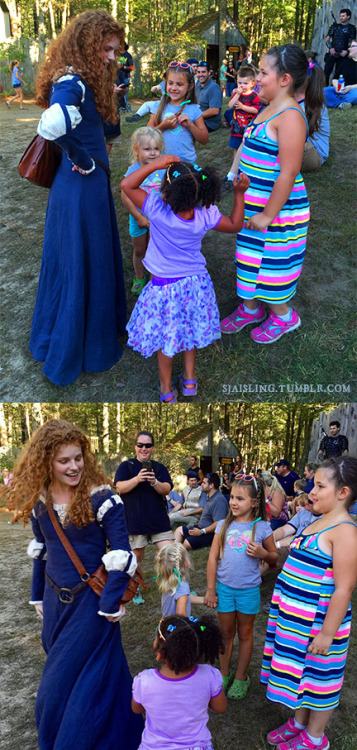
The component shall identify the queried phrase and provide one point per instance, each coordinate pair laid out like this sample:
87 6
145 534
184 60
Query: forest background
262 433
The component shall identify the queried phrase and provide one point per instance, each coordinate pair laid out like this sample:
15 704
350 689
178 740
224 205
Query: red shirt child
245 104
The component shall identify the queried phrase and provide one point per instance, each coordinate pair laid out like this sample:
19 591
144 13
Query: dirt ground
320 352
242 727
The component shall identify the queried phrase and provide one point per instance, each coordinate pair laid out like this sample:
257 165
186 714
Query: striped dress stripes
299 605
269 263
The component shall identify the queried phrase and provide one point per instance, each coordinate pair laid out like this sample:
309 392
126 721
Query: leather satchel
40 161
98 579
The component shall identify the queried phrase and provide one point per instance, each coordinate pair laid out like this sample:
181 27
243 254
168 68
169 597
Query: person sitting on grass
201 535
346 97
188 508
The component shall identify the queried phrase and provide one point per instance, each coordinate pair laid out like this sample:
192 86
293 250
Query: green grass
322 351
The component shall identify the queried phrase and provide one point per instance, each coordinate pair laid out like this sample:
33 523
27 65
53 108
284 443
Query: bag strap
101 164
67 545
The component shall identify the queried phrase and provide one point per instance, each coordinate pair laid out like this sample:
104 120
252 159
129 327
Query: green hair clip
203 627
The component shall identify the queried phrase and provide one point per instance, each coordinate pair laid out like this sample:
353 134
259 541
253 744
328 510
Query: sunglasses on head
202 63
144 445
183 65
248 478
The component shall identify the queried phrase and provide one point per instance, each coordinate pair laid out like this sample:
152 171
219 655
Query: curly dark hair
186 186
182 642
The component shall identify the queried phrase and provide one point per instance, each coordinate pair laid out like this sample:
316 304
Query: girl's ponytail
210 186
314 98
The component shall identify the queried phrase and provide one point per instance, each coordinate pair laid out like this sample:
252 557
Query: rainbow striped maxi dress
299 605
269 263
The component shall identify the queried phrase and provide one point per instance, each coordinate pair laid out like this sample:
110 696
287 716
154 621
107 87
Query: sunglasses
144 445
183 65
248 478
202 63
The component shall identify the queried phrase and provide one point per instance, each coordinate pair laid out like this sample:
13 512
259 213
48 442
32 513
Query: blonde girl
310 616
147 144
172 577
17 83
233 576
276 503
177 115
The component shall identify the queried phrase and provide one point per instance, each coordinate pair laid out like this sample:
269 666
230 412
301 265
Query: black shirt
341 34
348 69
334 446
145 509
288 482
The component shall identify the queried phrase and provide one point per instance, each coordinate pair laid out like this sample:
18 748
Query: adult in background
216 508
347 67
309 474
237 469
231 78
222 77
80 307
286 477
143 489
275 498
333 445
188 508
209 97
338 39
85 692
194 466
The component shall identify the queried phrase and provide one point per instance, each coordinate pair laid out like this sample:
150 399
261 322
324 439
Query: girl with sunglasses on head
177 694
310 615
177 115
177 310
233 577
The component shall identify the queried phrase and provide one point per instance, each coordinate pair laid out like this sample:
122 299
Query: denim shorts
134 229
246 601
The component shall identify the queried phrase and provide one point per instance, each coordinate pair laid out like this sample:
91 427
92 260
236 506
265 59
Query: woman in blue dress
84 699
80 307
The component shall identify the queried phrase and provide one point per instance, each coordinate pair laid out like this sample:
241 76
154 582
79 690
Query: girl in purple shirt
185 688
177 310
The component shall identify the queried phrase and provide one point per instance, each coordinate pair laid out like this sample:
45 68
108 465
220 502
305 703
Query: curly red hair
33 471
78 47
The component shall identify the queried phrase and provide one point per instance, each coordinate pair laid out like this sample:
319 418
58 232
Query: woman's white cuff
34 549
118 559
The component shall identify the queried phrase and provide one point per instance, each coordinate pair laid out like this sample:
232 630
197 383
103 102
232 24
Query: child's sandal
168 398
238 689
183 385
227 681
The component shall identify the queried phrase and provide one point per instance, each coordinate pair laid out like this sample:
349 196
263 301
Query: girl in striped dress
310 617
271 246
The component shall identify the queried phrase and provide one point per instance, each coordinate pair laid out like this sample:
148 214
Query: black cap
283 462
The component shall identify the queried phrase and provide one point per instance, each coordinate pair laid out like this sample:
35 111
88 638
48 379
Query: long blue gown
80 307
84 698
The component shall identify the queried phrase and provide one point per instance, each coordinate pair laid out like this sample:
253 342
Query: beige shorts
138 541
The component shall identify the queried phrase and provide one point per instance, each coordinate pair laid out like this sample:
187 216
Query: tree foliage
263 24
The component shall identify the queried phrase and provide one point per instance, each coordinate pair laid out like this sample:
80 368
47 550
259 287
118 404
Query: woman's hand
39 610
320 644
241 184
258 222
118 617
210 599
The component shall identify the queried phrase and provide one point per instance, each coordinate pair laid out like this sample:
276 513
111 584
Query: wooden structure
206 26
323 21
201 439
344 413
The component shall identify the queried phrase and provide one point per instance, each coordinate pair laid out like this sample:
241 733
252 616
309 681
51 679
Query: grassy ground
243 726
321 352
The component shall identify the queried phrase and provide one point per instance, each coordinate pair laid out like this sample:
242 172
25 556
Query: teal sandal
238 689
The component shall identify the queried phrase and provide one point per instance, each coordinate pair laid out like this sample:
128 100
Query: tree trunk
52 20
222 30
215 437
106 428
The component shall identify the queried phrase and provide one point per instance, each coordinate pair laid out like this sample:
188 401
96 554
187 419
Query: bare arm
197 129
219 703
267 551
137 707
210 112
210 597
283 532
276 503
181 605
131 184
234 222
130 206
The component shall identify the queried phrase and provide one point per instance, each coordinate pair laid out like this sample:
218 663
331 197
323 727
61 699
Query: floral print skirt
175 317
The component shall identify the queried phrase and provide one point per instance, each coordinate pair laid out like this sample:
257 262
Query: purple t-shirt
183 723
168 601
237 569
174 249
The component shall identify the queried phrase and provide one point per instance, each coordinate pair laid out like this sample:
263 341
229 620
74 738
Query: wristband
277 544
155 483
203 531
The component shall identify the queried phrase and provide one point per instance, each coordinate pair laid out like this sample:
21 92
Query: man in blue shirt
286 477
209 97
216 508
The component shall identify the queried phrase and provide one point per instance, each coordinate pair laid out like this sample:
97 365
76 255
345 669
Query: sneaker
302 742
286 732
138 286
240 319
133 118
344 105
226 184
274 328
7 104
